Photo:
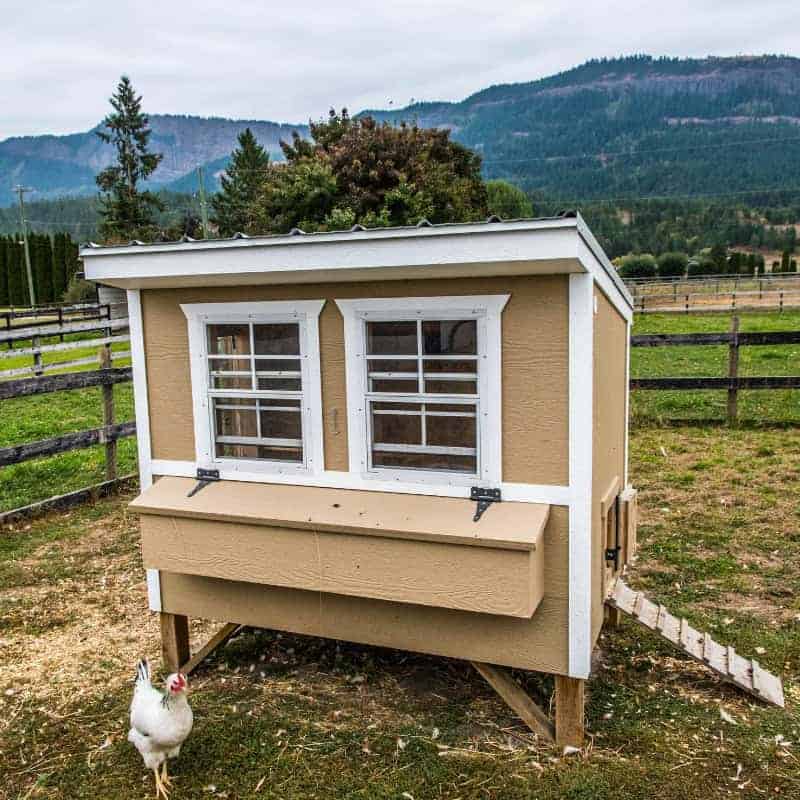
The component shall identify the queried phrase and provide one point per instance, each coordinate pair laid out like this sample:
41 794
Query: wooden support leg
613 616
569 711
501 681
174 640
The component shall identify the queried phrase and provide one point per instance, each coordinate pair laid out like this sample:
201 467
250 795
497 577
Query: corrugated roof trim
357 228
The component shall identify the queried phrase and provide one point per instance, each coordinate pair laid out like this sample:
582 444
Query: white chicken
160 722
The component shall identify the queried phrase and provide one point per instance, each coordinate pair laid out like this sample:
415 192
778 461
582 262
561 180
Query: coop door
610 514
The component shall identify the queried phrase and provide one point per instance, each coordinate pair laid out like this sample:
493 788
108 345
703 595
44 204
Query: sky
291 61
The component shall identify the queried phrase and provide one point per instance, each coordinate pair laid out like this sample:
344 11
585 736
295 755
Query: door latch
204 478
484 498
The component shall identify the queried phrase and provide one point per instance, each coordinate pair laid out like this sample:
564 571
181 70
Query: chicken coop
409 437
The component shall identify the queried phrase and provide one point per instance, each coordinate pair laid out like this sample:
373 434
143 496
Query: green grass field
293 718
755 407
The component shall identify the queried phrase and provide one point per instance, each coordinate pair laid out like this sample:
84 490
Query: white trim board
142 413
303 312
334 479
581 423
486 310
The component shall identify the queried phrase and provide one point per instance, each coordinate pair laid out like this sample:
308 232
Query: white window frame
303 312
487 310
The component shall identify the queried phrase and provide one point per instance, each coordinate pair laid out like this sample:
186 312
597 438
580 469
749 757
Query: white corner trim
487 310
140 401
306 314
581 423
334 479
154 589
627 404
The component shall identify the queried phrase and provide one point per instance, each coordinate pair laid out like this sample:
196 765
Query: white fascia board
457 250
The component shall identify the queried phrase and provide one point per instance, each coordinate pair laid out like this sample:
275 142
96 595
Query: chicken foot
161 789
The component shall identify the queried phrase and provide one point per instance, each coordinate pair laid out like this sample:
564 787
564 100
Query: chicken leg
165 778
161 790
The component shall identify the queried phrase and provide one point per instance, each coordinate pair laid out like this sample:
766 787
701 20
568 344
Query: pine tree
240 185
42 263
17 283
4 298
59 265
126 212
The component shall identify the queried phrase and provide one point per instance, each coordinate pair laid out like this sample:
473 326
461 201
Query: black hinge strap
204 477
484 498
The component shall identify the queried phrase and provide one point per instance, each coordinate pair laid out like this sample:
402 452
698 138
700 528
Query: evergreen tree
785 258
17 284
240 185
59 266
4 299
126 211
42 266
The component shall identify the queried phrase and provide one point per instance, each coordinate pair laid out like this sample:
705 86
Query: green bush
672 265
638 265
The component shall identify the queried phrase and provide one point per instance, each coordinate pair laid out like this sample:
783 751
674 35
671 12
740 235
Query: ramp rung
724 660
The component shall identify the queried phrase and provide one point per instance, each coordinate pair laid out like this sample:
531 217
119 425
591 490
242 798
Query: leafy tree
126 211
508 201
375 174
240 185
785 260
637 265
672 265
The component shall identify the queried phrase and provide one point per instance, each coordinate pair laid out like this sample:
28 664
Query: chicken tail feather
143 671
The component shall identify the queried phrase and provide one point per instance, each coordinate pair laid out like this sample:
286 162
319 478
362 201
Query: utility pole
203 208
20 190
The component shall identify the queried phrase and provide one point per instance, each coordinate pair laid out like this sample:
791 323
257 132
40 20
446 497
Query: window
423 387
255 384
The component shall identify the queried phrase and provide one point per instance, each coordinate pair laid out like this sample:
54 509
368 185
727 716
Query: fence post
8 327
687 303
38 368
733 372
780 310
108 416
61 321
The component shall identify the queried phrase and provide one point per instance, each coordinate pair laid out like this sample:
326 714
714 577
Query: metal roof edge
354 234
588 237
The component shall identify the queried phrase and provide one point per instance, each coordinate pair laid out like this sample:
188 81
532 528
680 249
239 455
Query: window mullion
253 379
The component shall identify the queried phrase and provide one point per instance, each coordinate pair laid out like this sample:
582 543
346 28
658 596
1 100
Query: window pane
281 424
259 452
459 337
229 365
448 463
281 339
451 431
229 339
403 366
392 338
280 384
231 382
290 365
397 386
235 421
461 365
396 428
450 387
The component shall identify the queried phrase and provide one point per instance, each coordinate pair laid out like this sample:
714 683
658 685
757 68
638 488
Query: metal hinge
484 498
204 477
612 554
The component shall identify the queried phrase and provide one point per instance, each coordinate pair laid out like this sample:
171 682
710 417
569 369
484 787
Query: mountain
636 126
66 165
612 128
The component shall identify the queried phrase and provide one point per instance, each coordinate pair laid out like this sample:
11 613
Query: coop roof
547 245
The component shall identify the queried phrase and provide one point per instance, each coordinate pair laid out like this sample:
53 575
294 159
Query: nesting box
407 437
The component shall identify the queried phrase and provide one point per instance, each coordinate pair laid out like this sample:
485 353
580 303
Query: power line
688 196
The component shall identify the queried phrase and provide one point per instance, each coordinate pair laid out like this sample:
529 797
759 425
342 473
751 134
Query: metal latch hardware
204 477
612 554
484 498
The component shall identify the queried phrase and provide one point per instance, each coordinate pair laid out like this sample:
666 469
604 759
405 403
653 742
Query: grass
294 717
755 407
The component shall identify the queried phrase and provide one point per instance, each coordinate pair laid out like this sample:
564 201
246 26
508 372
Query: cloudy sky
289 61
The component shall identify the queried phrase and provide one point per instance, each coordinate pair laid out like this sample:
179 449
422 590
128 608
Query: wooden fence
85 321
108 435
733 382
724 301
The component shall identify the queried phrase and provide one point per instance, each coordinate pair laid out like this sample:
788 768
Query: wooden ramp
745 673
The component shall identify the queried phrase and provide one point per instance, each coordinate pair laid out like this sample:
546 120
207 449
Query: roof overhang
521 247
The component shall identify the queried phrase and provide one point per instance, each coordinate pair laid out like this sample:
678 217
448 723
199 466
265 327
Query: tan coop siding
535 347
608 450
538 643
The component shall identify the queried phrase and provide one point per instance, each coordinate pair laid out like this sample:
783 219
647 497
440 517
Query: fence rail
733 382
683 303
